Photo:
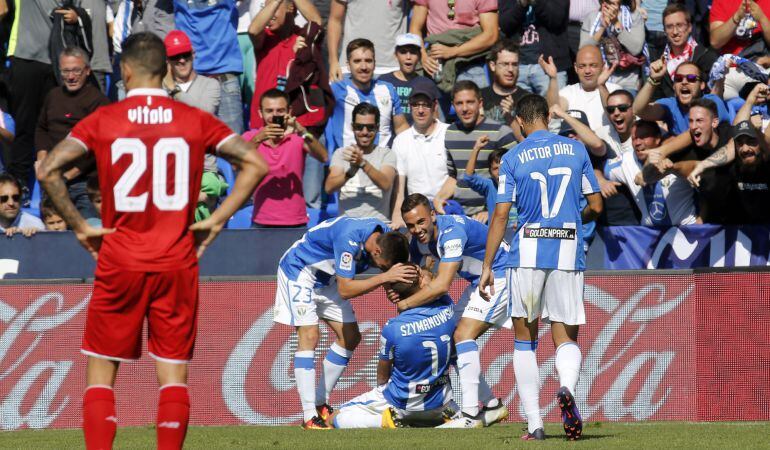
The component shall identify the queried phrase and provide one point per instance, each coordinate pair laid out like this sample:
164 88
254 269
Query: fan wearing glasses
364 172
12 219
689 84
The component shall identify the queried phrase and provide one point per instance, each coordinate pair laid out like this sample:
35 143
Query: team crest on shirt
301 311
346 261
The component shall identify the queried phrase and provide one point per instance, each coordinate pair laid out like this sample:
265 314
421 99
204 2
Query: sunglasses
621 108
364 126
451 14
16 198
186 56
691 78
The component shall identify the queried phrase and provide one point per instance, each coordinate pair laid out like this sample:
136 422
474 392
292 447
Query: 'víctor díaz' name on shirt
558 148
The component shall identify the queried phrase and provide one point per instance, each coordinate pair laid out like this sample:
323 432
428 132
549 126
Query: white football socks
486 395
354 419
527 380
469 369
568 359
304 375
334 364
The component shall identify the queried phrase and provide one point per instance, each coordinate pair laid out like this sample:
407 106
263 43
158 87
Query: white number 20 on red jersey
124 201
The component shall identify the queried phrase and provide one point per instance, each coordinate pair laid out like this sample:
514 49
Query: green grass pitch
647 435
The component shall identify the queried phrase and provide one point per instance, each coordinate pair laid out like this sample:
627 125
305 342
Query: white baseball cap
408 39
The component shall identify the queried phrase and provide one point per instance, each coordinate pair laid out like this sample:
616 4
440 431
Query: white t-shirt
591 104
671 197
422 160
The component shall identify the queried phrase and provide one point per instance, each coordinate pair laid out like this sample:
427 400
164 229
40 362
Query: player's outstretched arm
349 288
497 225
437 287
252 168
49 174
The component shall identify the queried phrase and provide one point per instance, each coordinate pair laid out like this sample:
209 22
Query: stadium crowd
356 104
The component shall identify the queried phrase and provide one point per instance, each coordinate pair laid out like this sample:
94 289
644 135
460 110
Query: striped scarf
625 22
673 62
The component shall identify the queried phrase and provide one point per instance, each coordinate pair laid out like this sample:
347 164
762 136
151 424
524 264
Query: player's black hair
413 201
366 109
6 177
628 95
466 85
650 125
504 44
394 247
707 104
274 93
47 209
532 108
496 156
355 44
146 53
404 289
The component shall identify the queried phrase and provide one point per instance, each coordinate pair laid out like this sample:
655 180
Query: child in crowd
486 186
52 220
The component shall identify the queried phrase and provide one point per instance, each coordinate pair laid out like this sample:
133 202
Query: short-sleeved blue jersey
546 176
333 247
419 342
462 239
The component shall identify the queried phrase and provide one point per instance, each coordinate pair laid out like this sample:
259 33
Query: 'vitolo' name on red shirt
150 116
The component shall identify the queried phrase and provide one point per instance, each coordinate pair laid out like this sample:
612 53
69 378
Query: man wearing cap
406 79
423 163
379 21
182 82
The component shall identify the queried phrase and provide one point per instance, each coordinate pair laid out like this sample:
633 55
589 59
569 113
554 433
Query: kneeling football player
316 281
414 387
459 242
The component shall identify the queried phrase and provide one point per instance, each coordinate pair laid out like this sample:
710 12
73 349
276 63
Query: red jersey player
149 154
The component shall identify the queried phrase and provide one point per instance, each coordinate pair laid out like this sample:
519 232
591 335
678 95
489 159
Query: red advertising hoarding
656 347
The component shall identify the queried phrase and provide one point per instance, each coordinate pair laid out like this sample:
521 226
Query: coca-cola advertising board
656 347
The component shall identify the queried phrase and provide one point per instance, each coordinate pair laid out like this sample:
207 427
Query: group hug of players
540 275
147 269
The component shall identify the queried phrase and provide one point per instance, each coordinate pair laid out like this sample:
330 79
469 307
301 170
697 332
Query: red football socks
99 420
173 416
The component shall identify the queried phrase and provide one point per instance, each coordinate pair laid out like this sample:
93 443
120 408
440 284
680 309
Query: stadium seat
241 219
227 171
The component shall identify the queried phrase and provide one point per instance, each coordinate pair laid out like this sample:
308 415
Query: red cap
177 43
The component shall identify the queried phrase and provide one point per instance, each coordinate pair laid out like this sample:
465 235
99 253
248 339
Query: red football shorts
120 302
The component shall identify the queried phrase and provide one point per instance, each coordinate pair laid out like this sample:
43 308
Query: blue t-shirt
339 131
460 239
333 247
419 342
678 119
212 28
547 176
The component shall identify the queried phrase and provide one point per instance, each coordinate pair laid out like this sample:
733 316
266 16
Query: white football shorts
493 312
298 302
551 294
365 411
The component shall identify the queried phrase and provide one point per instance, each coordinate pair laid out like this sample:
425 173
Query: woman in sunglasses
12 219
363 173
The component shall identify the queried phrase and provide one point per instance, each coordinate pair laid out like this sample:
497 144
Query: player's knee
308 338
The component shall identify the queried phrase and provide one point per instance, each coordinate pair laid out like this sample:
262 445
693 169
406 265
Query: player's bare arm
252 168
593 209
497 225
349 288
437 287
384 368
49 174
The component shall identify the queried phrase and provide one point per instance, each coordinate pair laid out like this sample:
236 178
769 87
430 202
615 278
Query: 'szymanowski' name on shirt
427 323
531 154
